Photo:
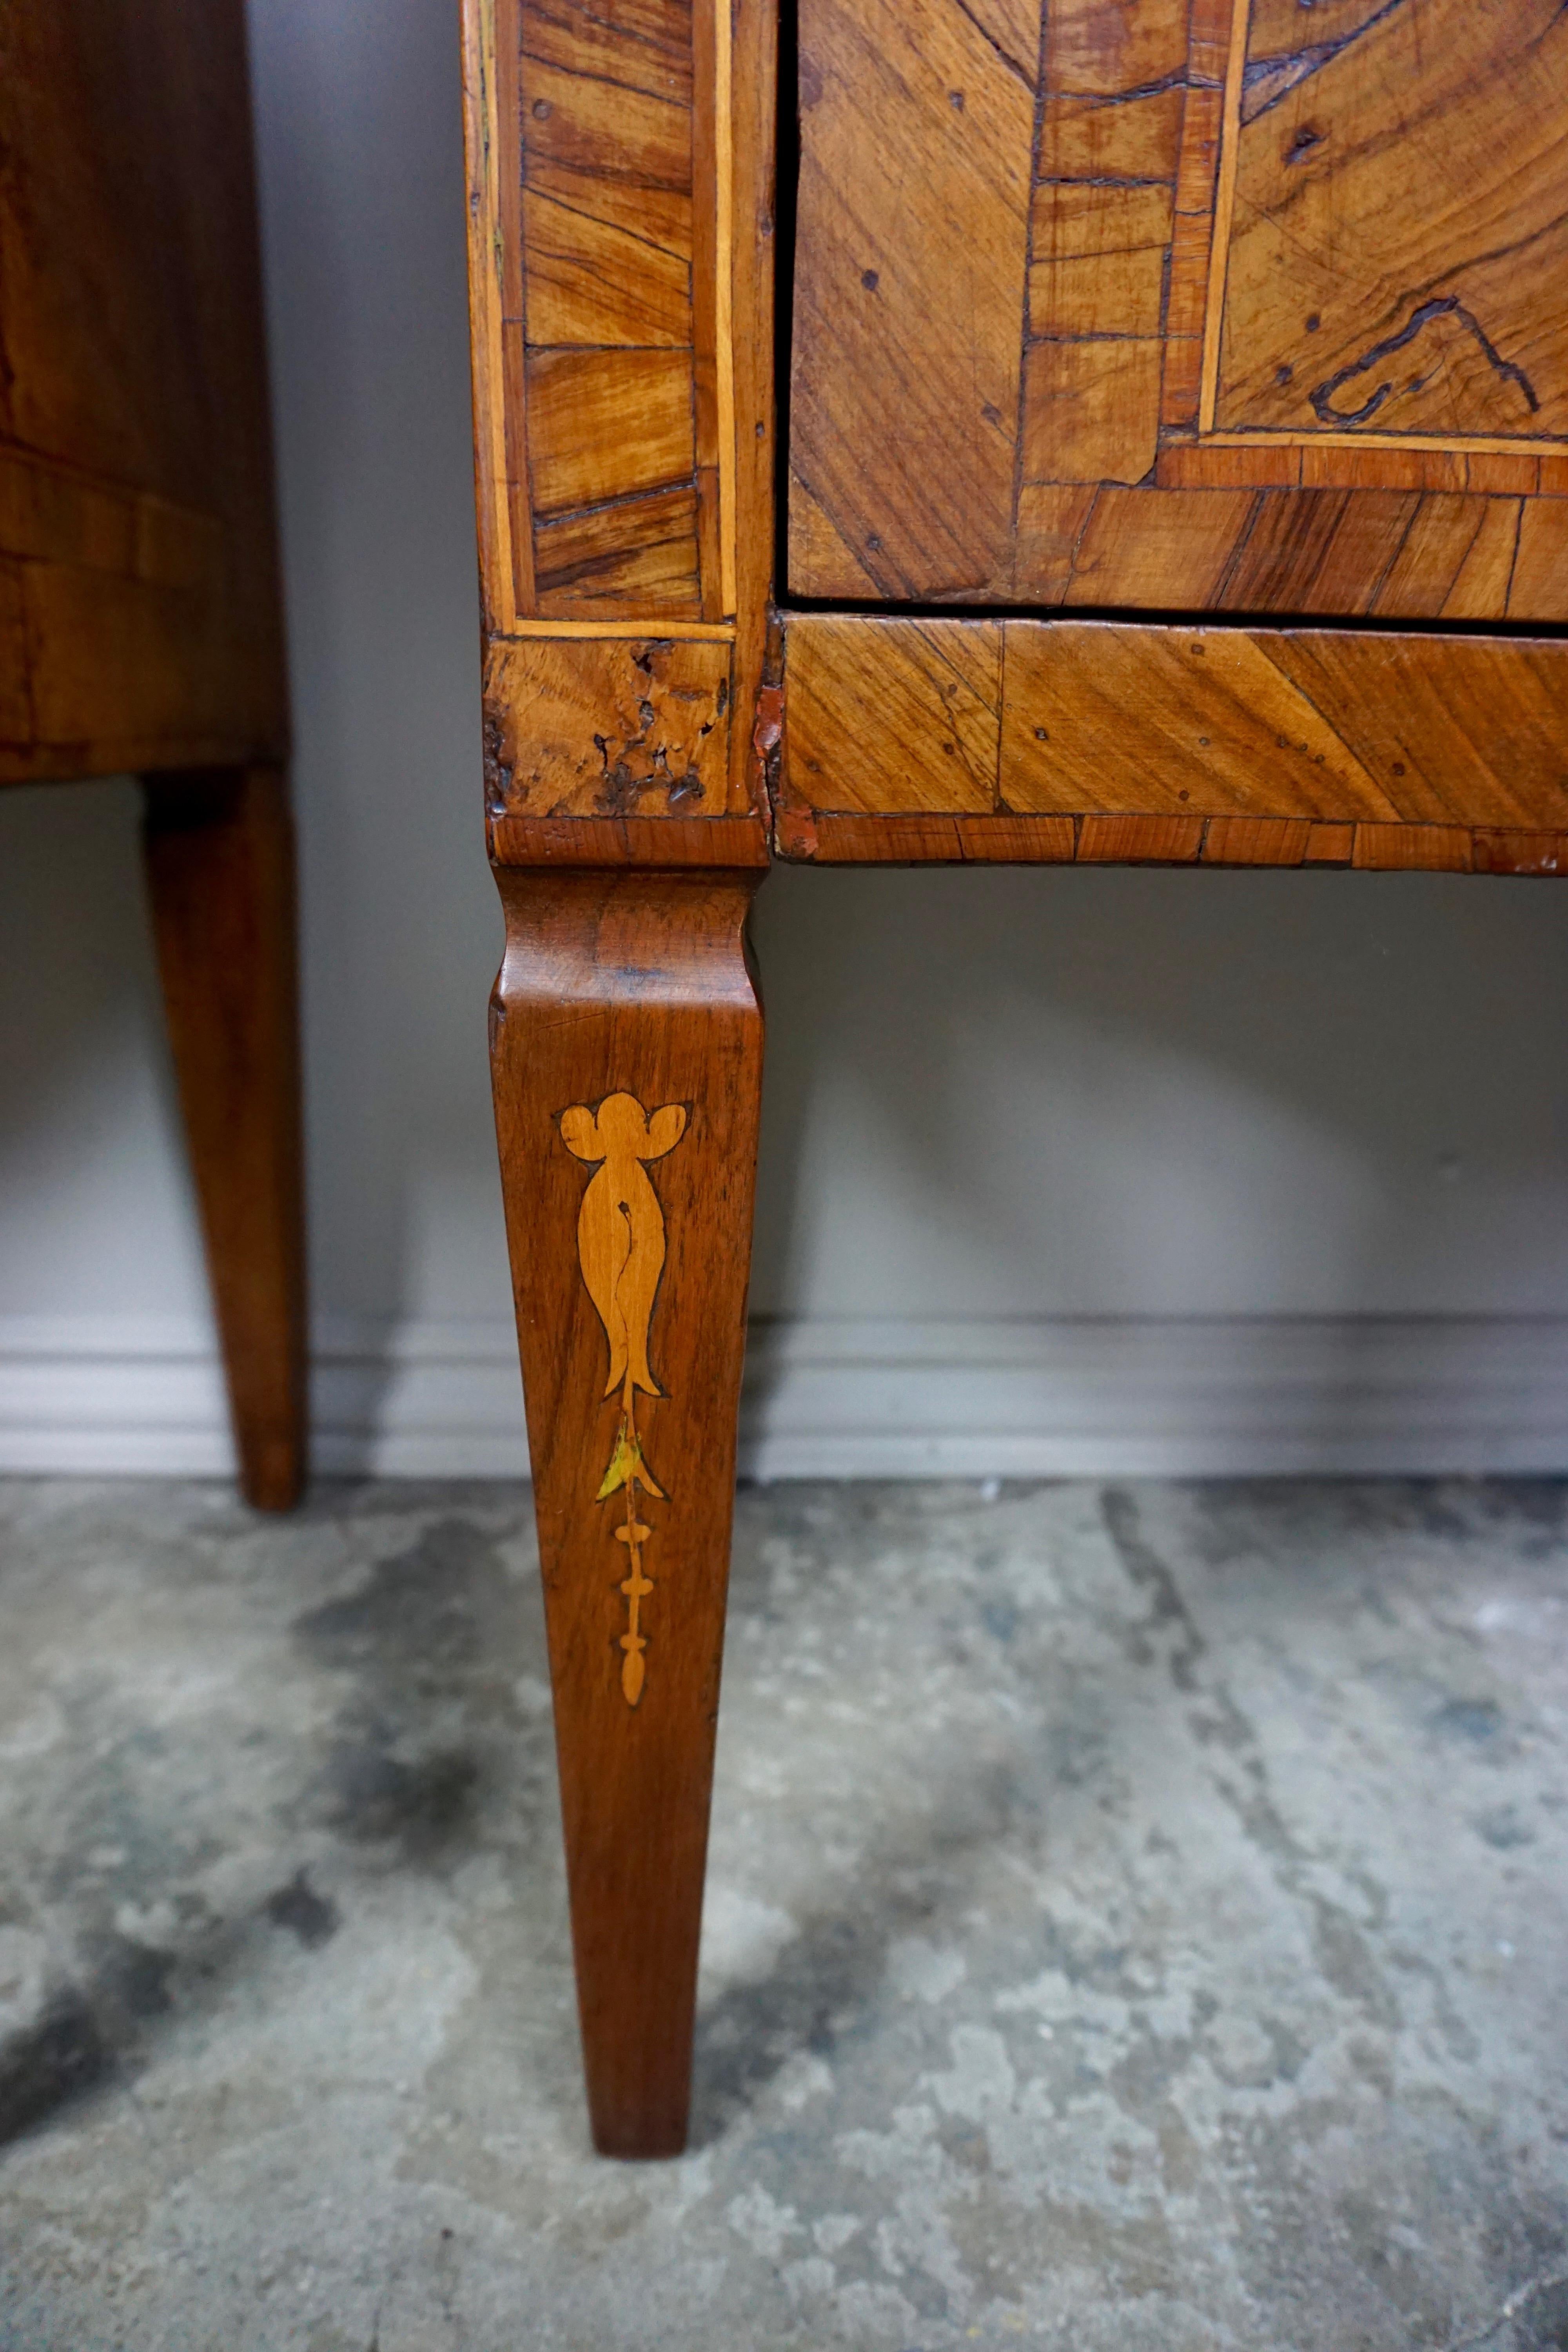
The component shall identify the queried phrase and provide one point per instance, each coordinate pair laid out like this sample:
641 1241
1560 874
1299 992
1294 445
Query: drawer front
1233 308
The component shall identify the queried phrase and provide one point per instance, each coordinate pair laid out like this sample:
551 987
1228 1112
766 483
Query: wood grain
1183 723
601 164
624 439
606 426
1464 97
219 858
616 990
1539 586
608 728
1024 238
649 842
138 610
1107 840
910 268
1276 841
894 714
831 837
755 60
623 410
636 555
1092 410
1099 256
804 837
1227 210
1123 720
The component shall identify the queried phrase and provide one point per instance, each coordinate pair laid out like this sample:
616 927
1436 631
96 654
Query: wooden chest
941 430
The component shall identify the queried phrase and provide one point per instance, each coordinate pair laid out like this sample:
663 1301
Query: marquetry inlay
621 1250
1227 304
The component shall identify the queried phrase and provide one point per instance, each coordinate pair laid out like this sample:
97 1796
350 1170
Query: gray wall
991 1096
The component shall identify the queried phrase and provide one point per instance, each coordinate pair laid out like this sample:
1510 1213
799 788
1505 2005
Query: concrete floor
1137 1919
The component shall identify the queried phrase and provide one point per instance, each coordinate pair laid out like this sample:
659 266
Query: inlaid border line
482 128
723 307
1460 444
1223 207
639 627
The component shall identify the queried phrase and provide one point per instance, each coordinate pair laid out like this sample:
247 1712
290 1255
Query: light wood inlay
1045 353
626 997
620 1248
1223 213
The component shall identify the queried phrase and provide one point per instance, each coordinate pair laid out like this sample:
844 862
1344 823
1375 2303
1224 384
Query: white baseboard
1043 1397
114 1395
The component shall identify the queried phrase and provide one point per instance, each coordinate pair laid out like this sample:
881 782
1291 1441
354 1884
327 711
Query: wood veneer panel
1159 726
806 837
894 714
1149 546
1426 848
1519 853
1101 715
592 281
910 268
831 838
1091 409
1456 561
621 204
138 610
1111 135
608 425
1462 729
1540 581
1276 841
599 256
1097 251
1353 152
604 727
639 556
1100 249
1227 210
1107 840
1313 722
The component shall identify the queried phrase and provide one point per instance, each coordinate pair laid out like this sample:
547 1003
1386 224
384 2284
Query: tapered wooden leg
626 1055
220 870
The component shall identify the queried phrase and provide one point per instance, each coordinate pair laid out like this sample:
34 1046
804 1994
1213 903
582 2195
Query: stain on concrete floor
1137 1919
